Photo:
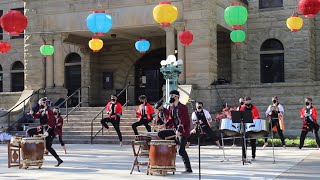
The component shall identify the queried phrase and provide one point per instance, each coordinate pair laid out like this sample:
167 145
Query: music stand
242 117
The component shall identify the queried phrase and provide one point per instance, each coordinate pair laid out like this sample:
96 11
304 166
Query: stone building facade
272 61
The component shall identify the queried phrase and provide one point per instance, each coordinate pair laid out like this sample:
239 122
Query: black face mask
172 100
142 102
248 105
41 106
274 101
241 103
55 113
199 107
307 103
113 100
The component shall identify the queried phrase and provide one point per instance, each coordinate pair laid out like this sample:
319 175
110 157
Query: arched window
1 79
264 4
272 61
73 75
17 77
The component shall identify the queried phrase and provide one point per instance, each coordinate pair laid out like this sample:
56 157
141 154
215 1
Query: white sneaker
121 144
265 145
233 145
284 147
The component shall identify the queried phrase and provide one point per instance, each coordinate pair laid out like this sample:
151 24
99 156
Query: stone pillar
170 40
181 52
49 65
58 61
85 76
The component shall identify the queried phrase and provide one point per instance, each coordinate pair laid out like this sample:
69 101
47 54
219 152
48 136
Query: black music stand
242 117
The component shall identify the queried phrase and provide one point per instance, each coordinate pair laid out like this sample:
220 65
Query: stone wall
8 99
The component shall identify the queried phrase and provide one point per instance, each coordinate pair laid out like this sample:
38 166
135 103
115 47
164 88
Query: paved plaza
85 161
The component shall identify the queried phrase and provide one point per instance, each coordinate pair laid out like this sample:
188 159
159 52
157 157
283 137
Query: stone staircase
78 128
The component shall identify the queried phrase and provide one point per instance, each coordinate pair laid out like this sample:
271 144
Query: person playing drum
275 113
203 117
178 123
45 114
248 106
308 115
144 113
161 117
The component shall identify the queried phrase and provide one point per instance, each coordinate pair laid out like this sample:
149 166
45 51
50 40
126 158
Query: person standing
114 112
145 114
248 106
308 115
178 124
275 113
58 129
45 114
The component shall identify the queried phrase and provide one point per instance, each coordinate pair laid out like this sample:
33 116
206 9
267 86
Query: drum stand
244 144
274 159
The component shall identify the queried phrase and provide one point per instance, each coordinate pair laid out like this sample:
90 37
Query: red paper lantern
4 47
185 37
309 8
14 22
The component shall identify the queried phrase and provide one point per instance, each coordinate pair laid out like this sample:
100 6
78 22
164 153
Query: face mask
142 102
172 100
199 107
248 105
55 113
307 103
274 101
113 100
41 106
241 103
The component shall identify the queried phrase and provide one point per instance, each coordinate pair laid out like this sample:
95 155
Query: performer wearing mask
248 106
145 113
58 129
204 118
45 114
308 114
161 117
179 125
114 112
275 113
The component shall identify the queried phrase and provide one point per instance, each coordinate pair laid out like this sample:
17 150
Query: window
1 79
272 61
21 35
1 30
17 77
264 4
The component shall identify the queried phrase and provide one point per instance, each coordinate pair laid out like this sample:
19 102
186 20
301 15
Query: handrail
101 112
9 112
78 91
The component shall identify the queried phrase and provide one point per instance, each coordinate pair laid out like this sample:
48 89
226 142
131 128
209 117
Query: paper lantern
95 44
185 37
236 15
99 23
309 8
165 13
294 23
46 50
4 47
14 22
237 36
142 45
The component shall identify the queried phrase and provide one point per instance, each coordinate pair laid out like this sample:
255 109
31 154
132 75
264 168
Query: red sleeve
151 109
255 113
242 108
60 121
314 114
138 113
185 120
302 111
119 106
37 115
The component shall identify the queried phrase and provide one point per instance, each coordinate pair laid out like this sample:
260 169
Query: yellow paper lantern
294 23
95 44
165 13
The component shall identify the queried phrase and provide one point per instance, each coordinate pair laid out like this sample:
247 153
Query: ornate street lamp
171 68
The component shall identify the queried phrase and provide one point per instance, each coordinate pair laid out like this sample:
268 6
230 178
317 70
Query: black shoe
187 171
59 162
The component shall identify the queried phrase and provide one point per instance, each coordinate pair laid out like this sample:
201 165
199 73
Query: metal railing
65 102
102 110
37 92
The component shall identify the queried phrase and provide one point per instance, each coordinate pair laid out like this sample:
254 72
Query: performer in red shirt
58 129
145 114
248 106
114 112
308 115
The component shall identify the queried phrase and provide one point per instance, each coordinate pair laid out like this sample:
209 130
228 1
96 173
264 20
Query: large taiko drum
32 151
228 128
259 128
162 156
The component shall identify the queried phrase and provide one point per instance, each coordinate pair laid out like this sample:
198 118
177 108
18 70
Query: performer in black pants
114 112
308 114
145 114
45 114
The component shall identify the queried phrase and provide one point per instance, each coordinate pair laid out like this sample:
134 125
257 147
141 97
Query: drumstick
169 137
30 106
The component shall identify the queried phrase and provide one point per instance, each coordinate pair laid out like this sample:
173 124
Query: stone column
58 61
170 40
49 65
85 75
181 52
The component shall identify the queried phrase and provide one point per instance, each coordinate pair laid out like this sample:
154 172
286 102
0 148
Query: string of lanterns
236 16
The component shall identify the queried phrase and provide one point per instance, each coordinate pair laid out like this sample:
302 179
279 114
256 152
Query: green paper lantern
236 15
237 36
46 50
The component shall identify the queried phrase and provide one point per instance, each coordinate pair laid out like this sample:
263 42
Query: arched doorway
17 77
148 78
73 75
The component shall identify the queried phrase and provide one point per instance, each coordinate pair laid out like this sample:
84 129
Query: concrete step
105 132
97 128
95 141
95 123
